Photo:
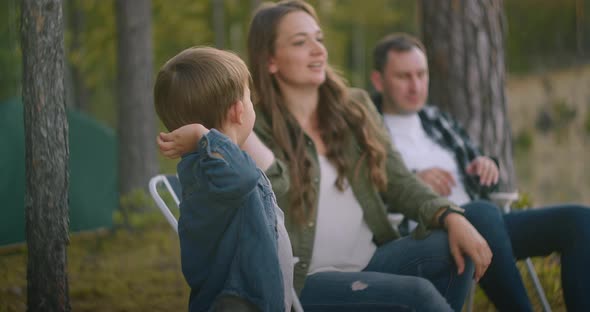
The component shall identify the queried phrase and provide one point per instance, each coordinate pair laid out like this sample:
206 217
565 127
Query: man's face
403 82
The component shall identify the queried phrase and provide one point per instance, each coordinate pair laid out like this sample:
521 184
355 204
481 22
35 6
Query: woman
328 145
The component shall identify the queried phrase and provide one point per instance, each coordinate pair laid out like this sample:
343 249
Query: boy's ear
236 112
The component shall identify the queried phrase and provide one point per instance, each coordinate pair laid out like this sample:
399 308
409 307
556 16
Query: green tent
93 173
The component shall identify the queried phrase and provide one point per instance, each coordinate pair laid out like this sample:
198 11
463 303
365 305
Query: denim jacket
227 227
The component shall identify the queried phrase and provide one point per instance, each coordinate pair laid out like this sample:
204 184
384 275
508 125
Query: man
441 154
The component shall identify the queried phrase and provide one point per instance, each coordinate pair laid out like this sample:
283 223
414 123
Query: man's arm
481 172
440 180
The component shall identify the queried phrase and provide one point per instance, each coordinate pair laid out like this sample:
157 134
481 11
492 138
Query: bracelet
448 210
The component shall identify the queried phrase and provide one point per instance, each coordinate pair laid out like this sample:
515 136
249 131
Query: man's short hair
199 85
399 42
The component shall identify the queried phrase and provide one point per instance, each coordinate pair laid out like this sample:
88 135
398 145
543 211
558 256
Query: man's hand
485 168
440 180
181 140
464 239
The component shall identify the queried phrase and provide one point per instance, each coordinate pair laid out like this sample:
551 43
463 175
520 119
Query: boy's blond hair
199 85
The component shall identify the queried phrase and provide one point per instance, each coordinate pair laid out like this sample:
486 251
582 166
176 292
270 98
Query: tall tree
136 117
464 40
46 155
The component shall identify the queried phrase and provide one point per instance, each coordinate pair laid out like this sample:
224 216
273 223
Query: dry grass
551 156
140 270
119 271
549 273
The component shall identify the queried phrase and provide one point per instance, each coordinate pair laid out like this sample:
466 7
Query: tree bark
46 155
136 116
464 40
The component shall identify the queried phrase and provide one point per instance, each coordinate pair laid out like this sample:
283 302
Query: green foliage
524 201
541 37
10 52
132 210
110 271
136 201
95 57
351 29
178 25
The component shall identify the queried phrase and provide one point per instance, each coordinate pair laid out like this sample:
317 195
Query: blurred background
548 96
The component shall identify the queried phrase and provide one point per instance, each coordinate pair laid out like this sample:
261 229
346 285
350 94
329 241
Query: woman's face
300 56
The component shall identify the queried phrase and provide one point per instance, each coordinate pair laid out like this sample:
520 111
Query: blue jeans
537 232
403 275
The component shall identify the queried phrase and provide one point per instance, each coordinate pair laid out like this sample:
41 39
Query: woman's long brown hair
340 116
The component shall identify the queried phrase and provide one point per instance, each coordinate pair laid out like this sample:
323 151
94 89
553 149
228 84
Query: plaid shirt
446 132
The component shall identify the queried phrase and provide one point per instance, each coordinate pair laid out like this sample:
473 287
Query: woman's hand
181 140
464 239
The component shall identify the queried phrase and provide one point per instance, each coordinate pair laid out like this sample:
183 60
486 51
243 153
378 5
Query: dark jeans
537 232
230 303
403 275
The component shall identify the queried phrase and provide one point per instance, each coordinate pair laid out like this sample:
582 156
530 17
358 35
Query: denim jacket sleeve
229 172
216 180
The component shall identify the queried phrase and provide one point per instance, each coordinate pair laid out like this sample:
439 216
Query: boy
232 238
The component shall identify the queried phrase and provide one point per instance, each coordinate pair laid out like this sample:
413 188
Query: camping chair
504 200
172 186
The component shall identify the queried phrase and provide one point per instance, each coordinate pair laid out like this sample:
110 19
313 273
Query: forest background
547 53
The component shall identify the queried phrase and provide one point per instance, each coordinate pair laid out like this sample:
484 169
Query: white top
420 152
343 241
285 253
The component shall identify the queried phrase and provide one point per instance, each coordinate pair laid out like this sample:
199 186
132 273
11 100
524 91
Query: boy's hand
181 140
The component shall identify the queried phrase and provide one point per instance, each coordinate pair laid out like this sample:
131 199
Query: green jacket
405 193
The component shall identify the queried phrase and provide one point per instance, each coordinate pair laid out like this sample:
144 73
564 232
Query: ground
139 270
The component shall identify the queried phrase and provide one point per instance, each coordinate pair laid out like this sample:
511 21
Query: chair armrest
504 199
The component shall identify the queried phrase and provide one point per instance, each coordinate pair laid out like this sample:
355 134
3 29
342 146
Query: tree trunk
136 116
46 155
464 40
